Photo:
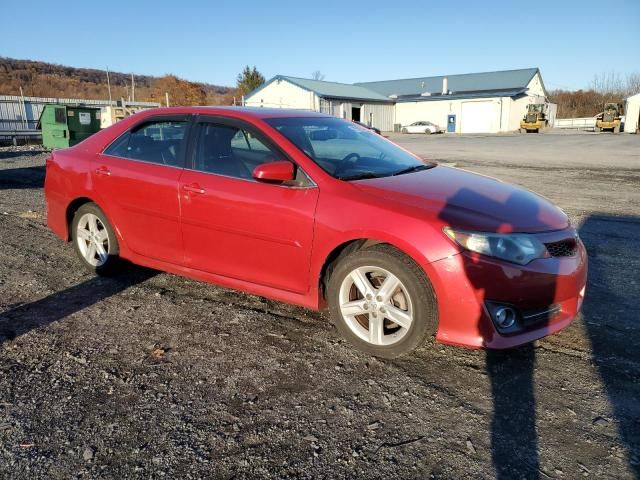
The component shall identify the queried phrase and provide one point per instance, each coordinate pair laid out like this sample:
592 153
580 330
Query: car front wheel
382 302
94 239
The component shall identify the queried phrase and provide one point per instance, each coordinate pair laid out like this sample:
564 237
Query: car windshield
346 150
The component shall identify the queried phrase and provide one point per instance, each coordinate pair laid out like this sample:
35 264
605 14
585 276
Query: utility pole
166 96
109 85
24 110
133 89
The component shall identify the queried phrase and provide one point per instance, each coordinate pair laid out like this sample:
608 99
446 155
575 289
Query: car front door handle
103 171
193 188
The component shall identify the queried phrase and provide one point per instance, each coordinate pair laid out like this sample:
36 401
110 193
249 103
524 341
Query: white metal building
339 99
632 114
488 102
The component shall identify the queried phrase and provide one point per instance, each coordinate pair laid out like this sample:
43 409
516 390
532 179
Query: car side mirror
276 171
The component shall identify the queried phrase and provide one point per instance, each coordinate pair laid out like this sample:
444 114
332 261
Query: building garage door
479 117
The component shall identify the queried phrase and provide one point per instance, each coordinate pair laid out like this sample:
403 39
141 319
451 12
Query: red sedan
317 211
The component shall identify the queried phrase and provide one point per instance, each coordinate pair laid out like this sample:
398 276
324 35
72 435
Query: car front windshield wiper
363 176
415 168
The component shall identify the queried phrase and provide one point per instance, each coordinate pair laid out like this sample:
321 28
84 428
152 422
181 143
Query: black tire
418 287
110 266
427 131
404 130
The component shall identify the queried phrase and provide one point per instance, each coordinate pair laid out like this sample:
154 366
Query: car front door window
230 151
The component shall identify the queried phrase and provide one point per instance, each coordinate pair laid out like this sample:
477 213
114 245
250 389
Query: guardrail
15 134
587 123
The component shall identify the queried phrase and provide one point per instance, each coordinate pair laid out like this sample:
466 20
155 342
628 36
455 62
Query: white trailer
632 114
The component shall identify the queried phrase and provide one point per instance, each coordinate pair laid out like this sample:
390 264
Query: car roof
238 112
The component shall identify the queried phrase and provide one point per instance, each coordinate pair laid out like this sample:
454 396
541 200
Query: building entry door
355 114
451 123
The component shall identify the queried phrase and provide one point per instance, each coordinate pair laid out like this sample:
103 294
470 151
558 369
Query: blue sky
347 41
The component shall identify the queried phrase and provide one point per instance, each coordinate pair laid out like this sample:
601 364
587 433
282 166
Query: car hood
469 201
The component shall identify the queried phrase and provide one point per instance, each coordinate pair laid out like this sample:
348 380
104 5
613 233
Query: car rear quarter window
120 147
155 142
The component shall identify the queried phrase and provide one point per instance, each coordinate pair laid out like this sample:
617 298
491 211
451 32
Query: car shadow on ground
25 177
23 318
514 440
610 315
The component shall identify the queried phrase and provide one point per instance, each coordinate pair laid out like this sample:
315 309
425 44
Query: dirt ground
150 375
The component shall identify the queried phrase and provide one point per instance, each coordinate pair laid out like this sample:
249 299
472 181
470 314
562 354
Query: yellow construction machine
609 119
536 118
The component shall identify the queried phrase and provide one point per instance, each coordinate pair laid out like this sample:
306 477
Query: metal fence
586 123
22 113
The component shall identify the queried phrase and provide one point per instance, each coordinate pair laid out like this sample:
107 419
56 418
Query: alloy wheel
93 239
375 305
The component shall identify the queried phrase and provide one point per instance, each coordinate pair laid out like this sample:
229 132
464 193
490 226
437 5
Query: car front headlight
518 248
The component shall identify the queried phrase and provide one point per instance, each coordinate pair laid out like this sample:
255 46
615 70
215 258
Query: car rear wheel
427 131
382 302
404 130
94 240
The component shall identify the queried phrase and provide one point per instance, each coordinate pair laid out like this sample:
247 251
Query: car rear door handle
193 188
103 171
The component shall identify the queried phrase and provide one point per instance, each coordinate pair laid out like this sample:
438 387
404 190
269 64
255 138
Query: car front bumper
466 282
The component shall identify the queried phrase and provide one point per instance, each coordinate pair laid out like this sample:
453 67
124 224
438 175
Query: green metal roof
506 82
329 89
469 82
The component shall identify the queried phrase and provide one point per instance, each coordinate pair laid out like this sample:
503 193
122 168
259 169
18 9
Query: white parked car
421 127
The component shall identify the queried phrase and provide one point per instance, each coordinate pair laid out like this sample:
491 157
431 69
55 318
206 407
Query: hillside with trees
41 79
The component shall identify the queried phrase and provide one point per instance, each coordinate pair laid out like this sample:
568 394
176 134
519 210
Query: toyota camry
318 211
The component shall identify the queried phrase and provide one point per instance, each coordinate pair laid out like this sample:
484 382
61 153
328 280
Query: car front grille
563 248
532 118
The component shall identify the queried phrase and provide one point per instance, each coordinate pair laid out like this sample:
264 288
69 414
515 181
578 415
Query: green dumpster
65 125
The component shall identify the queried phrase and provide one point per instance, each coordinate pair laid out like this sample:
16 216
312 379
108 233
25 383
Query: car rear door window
155 142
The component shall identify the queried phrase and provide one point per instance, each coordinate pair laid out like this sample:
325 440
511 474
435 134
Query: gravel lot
149 375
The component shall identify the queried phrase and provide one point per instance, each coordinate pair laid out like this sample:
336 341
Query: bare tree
610 83
605 87
317 75
613 85
633 83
